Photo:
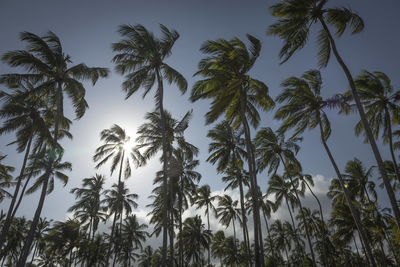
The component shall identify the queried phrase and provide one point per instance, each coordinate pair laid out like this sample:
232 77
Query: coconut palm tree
235 93
294 23
88 208
305 108
141 58
118 199
45 61
227 151
145 257
5 178
195 239
281 241
381 107
228 212
133 234
203 198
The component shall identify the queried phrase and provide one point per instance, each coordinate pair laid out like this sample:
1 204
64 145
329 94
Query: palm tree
182 170
195 238
146 256
150 137
280 239
227 150
235 93
141 58
305 109
45 61
133 234
228 212
381 106
25 116
5 178
295 20
88 208
203 198
217 245
283 191
118 199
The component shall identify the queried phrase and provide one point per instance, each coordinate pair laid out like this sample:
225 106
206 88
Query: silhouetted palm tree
141 58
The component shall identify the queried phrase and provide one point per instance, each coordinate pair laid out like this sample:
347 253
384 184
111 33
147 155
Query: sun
129 144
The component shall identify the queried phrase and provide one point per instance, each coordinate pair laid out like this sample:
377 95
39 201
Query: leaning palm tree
295 20
381 106
305 108
235 93
45 61
141 58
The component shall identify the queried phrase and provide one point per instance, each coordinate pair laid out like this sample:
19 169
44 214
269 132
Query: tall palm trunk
390 135
234 235
21 196
323 230
180 223
208 228
354 212
366 126
258 246
29 239
171 208
7 222
115 214
165 162
243 211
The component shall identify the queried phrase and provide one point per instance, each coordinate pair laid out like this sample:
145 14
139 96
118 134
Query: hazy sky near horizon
88 28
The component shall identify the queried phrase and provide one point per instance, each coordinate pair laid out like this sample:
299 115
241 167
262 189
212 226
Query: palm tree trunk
244 219
258 245
353 211
366 125
111 237
29 239
7 222
164 155
389 123
208 228
26 184
34 251
234 235
180 224
390 244
171 230
323 232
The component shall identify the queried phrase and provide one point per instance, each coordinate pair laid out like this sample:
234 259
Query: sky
88 28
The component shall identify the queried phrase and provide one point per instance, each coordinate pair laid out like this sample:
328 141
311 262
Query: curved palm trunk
7 222
389 123
29 239
258 245
165 180
323 230
25 185
354 213
366 125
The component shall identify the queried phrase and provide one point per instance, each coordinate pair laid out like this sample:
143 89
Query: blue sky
87 29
